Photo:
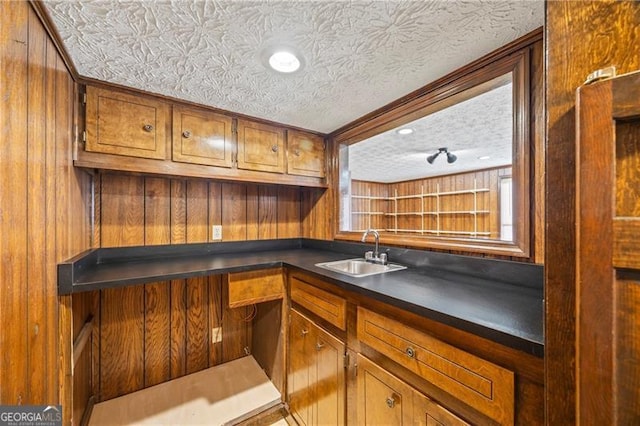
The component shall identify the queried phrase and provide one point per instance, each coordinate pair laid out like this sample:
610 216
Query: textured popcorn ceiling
480 126
358 55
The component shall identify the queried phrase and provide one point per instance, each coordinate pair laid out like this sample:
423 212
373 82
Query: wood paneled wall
155 332
44 209
581 37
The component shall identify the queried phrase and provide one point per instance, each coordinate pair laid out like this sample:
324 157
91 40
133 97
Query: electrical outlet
216 233
216 335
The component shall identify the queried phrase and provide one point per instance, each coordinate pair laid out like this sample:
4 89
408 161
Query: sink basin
359 267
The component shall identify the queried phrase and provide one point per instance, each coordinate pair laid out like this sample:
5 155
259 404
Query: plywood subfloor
214 396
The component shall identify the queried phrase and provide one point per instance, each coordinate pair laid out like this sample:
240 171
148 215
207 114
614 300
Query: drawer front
322 303
482 385
247 288
123 124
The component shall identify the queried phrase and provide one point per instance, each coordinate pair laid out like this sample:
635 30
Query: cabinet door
118 123
305 154
429 413
316 383
260 147
383 399
300 385
329 379
201 137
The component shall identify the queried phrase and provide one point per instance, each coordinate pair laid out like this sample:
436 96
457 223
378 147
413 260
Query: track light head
451 158
433 157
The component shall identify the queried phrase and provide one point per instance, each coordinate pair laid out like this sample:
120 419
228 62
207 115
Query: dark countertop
498 300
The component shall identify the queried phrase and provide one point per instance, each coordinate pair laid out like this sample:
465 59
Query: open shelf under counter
226 393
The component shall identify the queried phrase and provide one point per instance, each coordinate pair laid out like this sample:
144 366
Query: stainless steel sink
359 267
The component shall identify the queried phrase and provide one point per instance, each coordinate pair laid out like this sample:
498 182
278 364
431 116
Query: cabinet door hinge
84 136
234 127
346 360
84 99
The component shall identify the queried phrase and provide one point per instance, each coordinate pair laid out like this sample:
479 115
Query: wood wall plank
122 210
197 324
121 341
215 319
267 212
13 193
157 333
178 354
288 213
234 212
197 211
40 310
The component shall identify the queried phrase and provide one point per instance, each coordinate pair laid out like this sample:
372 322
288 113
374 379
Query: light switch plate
216 232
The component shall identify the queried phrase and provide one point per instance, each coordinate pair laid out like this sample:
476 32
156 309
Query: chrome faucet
374 256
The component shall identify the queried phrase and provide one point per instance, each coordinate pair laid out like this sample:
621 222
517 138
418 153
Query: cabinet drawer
122 124
202 137
322 303
247 288
482 385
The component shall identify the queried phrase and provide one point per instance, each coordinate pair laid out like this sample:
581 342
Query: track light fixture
451 158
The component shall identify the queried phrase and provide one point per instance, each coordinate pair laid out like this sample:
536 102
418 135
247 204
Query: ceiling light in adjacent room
484 157
283 61
405 131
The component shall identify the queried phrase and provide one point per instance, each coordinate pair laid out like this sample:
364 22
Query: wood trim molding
47 22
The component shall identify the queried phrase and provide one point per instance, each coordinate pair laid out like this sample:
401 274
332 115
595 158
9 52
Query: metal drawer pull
148 128
304 332
391 401
274 148
411 353
319 346
186 134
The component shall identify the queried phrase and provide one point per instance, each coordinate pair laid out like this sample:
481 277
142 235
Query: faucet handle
383 258
368 255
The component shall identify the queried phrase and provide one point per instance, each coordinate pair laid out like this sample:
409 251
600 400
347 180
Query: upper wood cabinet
305 154
260 147
202 137
119 123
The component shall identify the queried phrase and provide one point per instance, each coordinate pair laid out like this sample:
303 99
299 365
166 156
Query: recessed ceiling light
484 157
405 131
283 61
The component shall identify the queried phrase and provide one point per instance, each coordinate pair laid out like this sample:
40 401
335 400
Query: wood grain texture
197 211
215 319
234 212
44 217
178 322
627 356
248 288
236 325
121 341
122 211
288 216
157 333
197 324
580 37
13 190
267 212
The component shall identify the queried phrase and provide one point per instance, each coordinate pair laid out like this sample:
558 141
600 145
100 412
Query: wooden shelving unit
395 212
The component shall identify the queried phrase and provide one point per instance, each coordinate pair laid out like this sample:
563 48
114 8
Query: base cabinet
316 377
385 399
